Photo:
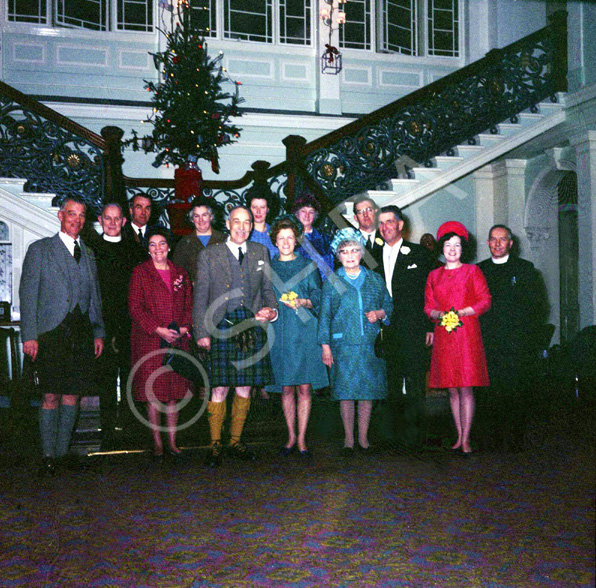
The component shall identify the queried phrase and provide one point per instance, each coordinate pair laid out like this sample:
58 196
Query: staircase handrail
52 115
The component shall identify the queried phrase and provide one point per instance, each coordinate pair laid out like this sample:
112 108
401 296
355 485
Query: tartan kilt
225 353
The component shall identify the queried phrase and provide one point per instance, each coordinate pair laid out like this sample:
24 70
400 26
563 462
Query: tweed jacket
341 317
45 290
188 248
212 290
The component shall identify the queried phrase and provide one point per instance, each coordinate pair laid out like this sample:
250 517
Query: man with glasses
365 214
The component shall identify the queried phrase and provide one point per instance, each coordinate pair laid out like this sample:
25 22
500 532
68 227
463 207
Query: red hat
452 227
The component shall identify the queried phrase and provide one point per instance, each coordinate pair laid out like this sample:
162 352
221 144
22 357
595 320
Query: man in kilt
233 302
61 325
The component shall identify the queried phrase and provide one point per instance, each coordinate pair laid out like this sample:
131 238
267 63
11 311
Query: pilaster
585 149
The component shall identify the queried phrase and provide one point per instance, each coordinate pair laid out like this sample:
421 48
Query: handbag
181 361
380 343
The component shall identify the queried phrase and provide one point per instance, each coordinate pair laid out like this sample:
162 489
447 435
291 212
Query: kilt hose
240 356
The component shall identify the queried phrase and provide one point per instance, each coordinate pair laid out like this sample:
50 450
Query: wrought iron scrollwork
51 158
444 115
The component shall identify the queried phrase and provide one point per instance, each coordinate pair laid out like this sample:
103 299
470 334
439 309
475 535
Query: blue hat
344 235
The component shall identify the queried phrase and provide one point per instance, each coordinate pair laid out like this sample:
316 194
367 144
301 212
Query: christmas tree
191 112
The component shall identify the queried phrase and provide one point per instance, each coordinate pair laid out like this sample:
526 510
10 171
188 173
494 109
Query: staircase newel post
115 188
294 144
558 26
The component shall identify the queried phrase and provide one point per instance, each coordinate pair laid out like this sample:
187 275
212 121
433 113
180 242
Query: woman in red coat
458 362
159 295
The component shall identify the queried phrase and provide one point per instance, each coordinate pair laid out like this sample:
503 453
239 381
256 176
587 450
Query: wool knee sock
240 408
68 417
216 414
48 428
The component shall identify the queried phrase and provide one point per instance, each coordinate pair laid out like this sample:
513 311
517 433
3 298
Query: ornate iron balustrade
433 120
360 156
54 153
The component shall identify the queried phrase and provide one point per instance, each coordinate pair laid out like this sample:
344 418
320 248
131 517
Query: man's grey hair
74 199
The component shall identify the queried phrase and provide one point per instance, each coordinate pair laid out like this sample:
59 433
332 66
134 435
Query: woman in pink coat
458 362
159 296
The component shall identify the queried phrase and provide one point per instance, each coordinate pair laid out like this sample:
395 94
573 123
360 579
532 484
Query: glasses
363 210
349 251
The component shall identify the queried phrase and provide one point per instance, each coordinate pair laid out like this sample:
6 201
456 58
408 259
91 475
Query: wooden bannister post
558 25
115 188
294 144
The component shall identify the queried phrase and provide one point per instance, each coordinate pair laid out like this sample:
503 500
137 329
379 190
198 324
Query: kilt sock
240 408
217 415
68 417
48 428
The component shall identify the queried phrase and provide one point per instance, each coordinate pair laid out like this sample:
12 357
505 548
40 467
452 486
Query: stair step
13 185
507 129
446 161
425 173
402 185
468 150
527 118
488 139
383 197
41 199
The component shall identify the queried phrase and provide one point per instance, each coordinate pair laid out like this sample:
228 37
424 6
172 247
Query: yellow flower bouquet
289 297
451 321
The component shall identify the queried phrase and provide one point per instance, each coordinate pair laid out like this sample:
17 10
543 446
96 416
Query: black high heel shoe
171 454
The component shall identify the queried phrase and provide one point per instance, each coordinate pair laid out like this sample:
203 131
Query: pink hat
452 227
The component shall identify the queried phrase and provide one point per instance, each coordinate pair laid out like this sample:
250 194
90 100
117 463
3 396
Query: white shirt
68 241
136 229
500 260
390 254
369 236
233 247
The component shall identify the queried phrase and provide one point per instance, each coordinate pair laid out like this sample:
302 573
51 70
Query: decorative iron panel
518 79
51 158
226 199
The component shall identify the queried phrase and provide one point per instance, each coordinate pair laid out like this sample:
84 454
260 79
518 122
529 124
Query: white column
515 177
490 205
585 149
329 99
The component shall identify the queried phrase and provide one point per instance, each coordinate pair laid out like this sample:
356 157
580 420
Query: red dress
151 304
458 357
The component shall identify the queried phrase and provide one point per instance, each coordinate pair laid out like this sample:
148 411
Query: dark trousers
503 408
113 362
402 418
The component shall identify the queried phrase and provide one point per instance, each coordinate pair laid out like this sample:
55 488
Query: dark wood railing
58 155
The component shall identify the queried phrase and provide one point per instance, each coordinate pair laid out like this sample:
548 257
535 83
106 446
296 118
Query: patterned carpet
389 520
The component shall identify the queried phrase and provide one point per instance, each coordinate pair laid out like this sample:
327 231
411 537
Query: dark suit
130 235
115 262
407 357
510 332
376 251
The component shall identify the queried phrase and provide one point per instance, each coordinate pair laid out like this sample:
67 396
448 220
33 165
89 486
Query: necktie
140 235
369 244
77 252
240 255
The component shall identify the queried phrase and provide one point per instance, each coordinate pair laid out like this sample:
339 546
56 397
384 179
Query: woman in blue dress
355 301
295 355
315 245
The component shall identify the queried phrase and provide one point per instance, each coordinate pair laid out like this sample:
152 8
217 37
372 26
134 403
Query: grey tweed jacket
45 290
213 286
